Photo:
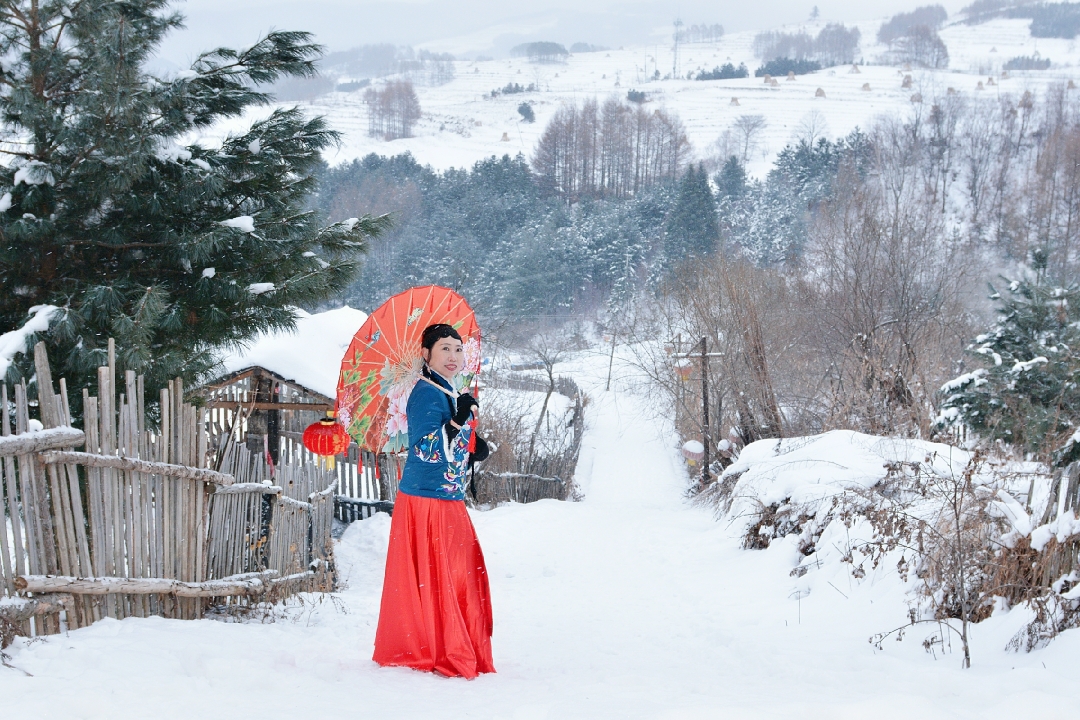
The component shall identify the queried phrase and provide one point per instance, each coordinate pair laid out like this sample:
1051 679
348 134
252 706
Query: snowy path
632 604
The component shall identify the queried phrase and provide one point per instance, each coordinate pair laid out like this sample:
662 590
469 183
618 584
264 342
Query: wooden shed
272 389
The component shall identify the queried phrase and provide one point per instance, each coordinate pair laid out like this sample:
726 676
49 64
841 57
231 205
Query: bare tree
392 110
748 128
888 290
613 150
812 127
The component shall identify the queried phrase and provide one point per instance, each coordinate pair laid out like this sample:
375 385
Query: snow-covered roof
310 355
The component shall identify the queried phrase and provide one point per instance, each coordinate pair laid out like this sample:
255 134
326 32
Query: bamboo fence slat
159 521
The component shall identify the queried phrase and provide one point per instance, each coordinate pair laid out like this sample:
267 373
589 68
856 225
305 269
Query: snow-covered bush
956 525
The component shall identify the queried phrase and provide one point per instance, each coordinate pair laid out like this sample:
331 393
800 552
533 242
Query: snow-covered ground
630 604
462 124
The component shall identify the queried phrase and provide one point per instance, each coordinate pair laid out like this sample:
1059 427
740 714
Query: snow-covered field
462 124
630 604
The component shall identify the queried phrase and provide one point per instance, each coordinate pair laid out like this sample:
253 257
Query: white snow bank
14 342
810 469
1065 526
310 356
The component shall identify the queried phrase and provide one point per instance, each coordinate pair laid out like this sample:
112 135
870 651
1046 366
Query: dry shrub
1040 579
8 632
780 520
887 308
535 455
859 338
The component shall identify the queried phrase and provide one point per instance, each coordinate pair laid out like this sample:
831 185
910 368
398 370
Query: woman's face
446 357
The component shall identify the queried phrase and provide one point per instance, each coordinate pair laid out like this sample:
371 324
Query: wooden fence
494 488
136 523
365 483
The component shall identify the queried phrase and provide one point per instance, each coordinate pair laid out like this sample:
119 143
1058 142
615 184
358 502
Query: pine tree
1027 390
693 226
172 250
731 180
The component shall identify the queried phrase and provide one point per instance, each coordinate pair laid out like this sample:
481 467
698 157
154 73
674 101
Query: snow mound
310 355
808 470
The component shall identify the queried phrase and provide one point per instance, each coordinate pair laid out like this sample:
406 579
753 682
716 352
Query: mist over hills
486 27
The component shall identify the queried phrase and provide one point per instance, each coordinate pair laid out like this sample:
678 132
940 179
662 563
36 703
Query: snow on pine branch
14 342
244 223
34 172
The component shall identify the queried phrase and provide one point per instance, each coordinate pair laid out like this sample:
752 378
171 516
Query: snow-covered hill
461 123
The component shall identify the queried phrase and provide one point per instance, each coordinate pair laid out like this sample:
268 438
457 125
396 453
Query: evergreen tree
775 216
172 250
1027 392
731 180
693 226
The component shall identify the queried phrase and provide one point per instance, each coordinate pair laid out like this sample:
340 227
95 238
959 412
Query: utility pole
611 360
706 432
675 60
706 440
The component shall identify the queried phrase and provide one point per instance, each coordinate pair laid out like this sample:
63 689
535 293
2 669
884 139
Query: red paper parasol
383 362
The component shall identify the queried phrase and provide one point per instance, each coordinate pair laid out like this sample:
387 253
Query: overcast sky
492 26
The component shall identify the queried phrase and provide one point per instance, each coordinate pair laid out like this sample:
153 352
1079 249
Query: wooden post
611 361
706 440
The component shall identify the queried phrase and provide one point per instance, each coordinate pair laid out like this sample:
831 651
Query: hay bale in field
790 75
768 78
950 91
820 92
505 138
916 98
990 81
854 70
866 87
734 101
906 85
773 82
980 86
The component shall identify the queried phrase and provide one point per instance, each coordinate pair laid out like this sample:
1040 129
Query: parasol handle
475 420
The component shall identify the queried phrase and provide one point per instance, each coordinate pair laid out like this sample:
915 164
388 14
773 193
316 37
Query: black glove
465 404
481 452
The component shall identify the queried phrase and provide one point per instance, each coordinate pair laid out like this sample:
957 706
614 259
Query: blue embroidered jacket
436 466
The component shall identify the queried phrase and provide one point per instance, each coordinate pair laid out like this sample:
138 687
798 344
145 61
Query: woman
436 605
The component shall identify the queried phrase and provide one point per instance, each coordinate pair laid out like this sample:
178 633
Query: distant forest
595 217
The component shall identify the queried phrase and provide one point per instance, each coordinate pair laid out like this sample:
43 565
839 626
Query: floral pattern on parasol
383 363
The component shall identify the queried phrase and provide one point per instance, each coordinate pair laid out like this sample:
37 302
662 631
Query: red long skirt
436 605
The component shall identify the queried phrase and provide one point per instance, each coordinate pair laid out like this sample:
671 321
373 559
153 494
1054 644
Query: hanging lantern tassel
326 438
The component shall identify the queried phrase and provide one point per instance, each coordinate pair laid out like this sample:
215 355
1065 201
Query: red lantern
326 437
